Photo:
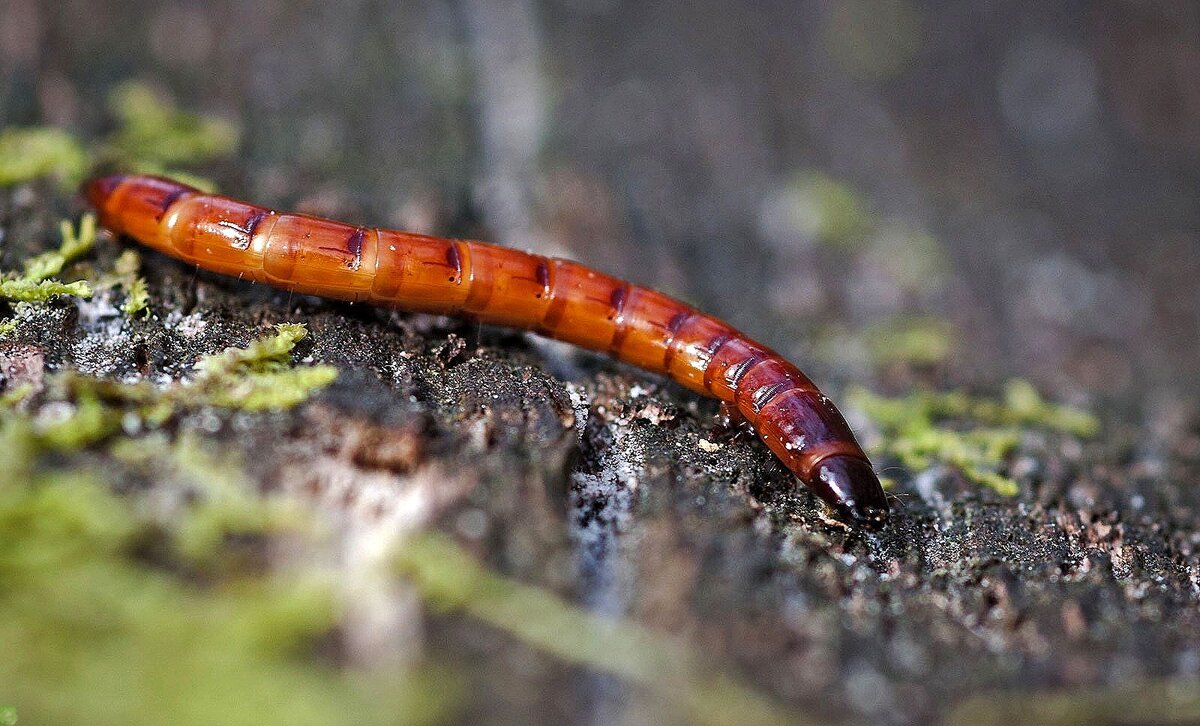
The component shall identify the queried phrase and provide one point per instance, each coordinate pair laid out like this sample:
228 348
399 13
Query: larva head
100 194
851 486
137 206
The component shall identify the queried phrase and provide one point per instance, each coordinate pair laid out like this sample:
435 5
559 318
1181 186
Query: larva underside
556 298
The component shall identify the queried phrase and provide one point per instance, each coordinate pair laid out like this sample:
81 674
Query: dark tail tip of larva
851 486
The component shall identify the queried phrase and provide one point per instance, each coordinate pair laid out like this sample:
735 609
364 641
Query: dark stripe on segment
354 245
250 227
168 201
766 394
558 303
734 375
454 259
255 220
543 278
714 347
620 295
466 272
617 300
673 327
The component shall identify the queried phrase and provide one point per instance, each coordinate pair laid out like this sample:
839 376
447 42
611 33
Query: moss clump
264 355
915 340
256 378
154 135
31 153
975 435
20 290
34 285
96 632
138 299
125 276
826 210
260 376
1153 700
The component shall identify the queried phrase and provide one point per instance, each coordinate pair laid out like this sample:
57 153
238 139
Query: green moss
972 434
33 284
15 396
94 633
256 378
450 579
125 276
27 291
266 391
138 299
265 355
87 422
1024 405
76 241
827 209
259 376
30 153
914 259
919 340
154 135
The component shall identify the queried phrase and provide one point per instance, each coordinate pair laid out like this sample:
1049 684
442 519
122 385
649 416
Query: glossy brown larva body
500 286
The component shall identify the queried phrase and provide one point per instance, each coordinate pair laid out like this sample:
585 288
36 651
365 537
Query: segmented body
556 298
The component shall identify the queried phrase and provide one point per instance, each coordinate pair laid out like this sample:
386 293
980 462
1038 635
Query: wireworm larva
500 286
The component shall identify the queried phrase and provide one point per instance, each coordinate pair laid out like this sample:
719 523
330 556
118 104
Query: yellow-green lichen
34 285
973 434
30 153
450 579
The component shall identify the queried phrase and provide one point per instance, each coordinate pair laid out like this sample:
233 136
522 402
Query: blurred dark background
1020 176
